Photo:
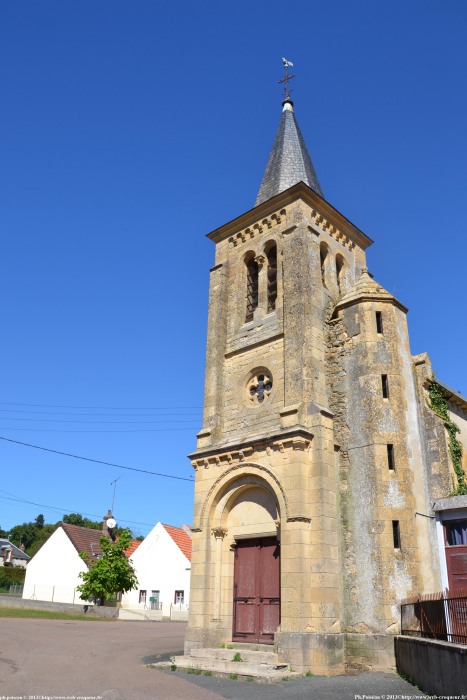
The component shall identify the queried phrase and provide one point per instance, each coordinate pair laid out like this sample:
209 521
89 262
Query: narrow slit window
379 322
391 462
323 254
385 386
272 277
396 534
339 271
251 288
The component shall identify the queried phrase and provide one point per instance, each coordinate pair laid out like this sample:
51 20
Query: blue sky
128 130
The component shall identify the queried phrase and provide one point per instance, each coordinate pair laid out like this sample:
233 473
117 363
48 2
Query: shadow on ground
377 686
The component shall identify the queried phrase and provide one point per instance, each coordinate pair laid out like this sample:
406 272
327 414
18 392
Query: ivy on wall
439 404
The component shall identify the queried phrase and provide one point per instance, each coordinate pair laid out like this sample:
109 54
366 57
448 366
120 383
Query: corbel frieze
334 232
252 452
258 228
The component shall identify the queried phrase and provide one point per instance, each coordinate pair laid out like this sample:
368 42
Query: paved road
67 659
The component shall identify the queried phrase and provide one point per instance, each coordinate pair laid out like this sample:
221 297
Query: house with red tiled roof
162 564
53 572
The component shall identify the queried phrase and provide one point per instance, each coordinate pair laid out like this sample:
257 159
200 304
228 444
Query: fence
16 589
54 594
436 616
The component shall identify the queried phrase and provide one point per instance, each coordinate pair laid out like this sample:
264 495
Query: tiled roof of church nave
181 538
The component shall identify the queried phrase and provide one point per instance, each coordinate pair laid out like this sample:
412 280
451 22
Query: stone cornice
294 439
383 298
272 211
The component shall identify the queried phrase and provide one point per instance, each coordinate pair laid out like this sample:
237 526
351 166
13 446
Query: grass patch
237 657
233 677
250 679
286 678
207 673
48 614
309 674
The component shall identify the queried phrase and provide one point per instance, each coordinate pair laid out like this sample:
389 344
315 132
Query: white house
53 573
162 564
11 555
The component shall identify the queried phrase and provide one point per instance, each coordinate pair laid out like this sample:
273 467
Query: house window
385 386
396 534
271 254
7 555
456 532
142 596
391 463
379 322
252 272
155 595
179 597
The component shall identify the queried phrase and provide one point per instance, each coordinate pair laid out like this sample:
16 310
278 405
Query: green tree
40 521
42 536
23 534
111 574
77 519
73 519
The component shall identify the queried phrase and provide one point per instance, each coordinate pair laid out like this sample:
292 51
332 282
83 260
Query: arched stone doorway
247 559
256 570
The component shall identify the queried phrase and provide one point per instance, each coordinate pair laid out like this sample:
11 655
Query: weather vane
286 78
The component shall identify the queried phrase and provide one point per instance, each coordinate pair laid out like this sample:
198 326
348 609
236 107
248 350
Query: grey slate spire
289 161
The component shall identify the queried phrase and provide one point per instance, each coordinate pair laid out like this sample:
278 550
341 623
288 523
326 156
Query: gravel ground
367 686
59 659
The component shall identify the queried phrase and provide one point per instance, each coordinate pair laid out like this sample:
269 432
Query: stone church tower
310 466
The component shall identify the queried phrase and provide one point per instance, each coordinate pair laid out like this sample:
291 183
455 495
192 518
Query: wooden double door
256 605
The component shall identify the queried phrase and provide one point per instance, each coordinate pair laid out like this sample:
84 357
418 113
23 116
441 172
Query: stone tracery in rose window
259 387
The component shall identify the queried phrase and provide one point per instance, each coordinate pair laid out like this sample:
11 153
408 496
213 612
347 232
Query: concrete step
241 668
262 664
247 655
252 646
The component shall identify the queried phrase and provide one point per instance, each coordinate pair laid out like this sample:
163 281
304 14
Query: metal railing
436 616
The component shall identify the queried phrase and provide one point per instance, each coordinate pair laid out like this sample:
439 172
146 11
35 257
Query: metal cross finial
286 78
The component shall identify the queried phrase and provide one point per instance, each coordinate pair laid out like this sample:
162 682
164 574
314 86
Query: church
326 479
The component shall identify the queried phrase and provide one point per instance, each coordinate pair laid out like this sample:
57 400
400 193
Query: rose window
259 387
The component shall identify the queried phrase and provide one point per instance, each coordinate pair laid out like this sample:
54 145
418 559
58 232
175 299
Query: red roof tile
84 540
134 544
181 538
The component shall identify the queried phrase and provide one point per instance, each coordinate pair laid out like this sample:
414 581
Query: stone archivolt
234 479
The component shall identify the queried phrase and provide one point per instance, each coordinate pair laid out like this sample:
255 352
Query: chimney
105 529
22 547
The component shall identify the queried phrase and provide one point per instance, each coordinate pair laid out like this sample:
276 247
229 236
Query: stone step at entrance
257 664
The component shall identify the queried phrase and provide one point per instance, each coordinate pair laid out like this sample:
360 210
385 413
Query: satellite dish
111 523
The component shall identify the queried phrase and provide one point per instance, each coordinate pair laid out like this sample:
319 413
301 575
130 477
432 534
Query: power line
96 461
111 422
110 408
18 499
114 415
60 430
